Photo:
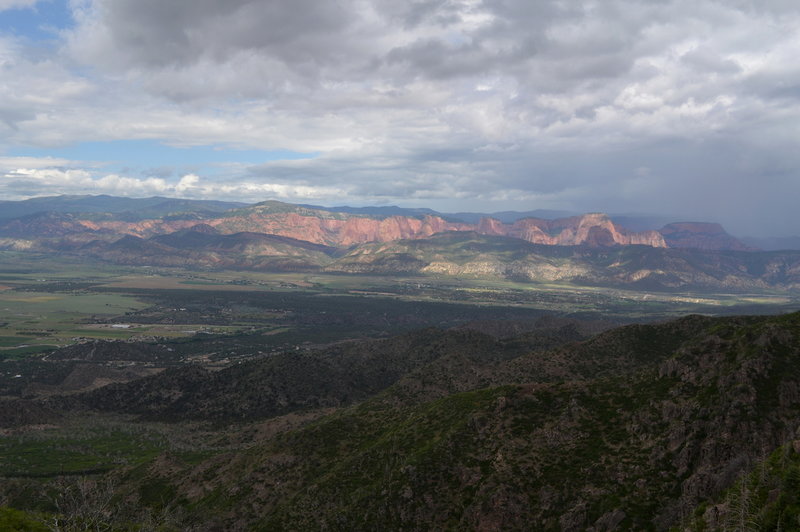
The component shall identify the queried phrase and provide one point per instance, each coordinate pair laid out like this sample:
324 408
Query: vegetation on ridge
642 427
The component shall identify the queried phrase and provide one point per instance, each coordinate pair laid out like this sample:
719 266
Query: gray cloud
679 106
156 33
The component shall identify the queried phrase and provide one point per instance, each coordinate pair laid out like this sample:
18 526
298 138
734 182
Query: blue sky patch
37 23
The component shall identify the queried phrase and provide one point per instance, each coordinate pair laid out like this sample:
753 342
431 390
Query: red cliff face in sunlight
590 229
344 230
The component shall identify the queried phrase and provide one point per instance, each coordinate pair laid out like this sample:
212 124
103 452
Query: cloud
589 74
22 183
492 103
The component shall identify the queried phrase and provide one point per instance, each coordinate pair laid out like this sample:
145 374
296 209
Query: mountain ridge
590 249
457 253
342 227
103 203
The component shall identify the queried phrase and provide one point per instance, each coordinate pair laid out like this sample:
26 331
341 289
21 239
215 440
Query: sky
683 108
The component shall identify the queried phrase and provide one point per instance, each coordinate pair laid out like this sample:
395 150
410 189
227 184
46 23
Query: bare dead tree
84 504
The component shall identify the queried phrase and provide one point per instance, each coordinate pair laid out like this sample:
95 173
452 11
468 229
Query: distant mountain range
269 236
127 208
339 226
158 206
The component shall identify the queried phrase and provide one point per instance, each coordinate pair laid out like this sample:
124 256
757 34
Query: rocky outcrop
596 230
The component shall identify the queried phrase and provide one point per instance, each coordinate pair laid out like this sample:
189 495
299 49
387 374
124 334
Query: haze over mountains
274 236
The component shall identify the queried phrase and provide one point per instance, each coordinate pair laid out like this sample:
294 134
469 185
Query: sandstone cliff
595 230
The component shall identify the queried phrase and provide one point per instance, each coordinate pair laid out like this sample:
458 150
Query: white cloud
187 183
42 181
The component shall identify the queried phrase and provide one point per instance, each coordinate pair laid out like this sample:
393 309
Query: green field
50 318
96 444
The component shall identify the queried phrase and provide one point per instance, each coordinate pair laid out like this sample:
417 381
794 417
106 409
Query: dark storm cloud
391 40
158 33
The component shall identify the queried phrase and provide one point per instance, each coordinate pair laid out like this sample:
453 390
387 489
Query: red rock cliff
590 229
345 230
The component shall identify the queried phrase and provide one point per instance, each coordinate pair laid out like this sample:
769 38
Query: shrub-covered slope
693 404
338 375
